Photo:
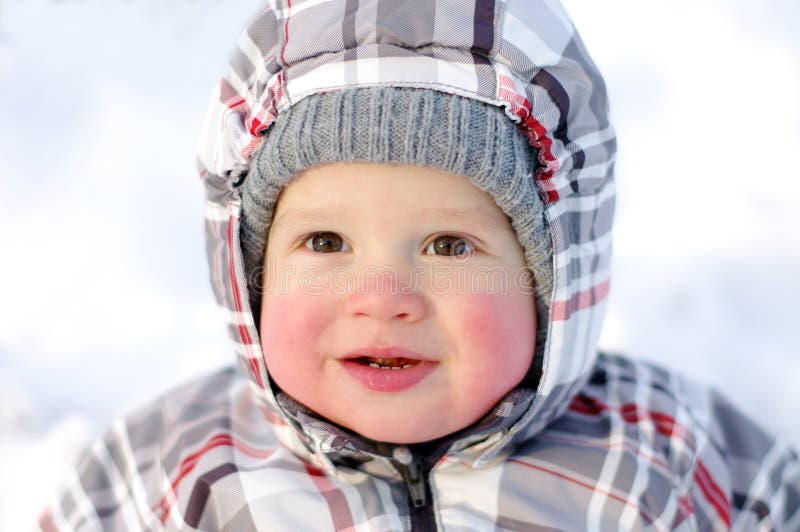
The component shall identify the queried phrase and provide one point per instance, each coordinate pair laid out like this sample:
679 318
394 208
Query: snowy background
103 282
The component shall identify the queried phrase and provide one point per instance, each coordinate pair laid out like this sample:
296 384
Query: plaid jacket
605 442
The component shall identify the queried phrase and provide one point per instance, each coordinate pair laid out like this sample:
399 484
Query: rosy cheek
500 331
291 322
482 319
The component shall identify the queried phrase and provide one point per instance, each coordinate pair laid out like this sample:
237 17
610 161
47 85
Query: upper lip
383 352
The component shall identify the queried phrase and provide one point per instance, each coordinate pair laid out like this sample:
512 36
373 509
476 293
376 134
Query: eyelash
470 247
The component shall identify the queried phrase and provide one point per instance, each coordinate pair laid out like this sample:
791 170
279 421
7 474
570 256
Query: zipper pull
410 470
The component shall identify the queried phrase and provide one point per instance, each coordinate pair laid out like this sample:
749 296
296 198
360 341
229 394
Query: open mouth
390 369
387 363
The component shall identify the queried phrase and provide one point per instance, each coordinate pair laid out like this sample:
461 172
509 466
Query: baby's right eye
326 242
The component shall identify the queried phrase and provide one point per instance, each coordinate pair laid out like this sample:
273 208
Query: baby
408 215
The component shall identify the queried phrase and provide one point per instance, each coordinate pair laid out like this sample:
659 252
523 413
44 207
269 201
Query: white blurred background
103 280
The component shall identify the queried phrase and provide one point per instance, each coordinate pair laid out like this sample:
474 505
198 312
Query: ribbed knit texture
400 125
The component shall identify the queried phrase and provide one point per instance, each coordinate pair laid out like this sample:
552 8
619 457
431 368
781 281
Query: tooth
396 367
374 365
405 366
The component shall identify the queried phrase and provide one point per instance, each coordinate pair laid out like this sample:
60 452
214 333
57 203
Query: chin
397 432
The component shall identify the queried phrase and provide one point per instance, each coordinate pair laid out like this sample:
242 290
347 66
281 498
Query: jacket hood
523 56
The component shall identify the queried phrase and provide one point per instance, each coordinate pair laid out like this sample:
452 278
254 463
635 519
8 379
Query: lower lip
388 380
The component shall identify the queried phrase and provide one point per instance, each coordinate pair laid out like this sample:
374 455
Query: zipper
415 475
410 468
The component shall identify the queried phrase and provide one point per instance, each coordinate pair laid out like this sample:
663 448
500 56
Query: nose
380 294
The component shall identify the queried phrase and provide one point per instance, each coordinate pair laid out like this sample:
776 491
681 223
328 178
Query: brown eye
449 246
326 242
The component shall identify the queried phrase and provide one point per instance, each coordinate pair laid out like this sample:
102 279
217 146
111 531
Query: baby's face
397 301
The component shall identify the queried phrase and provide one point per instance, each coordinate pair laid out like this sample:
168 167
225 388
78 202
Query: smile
387 369
387 363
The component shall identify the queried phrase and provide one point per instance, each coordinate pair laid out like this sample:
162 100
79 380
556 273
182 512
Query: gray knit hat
401 125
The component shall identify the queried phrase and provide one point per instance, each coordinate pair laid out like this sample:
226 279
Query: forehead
379 190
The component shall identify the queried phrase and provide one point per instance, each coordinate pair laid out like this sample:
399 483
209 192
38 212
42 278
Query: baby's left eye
449 246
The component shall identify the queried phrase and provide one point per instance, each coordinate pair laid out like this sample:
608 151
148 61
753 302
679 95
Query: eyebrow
470 217
318 215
